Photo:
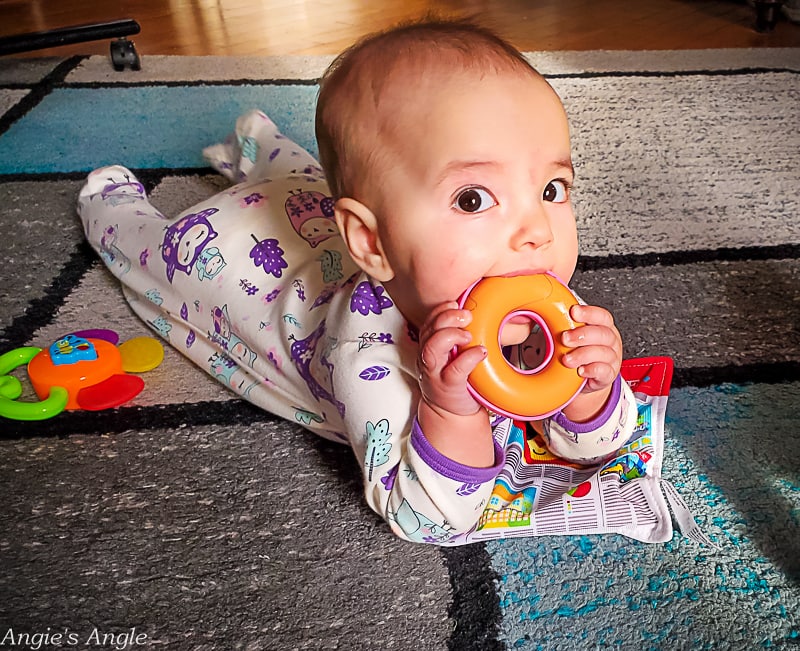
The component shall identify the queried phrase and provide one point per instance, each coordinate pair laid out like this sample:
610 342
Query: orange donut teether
496 383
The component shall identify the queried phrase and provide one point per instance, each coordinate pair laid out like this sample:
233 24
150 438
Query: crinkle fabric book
539 494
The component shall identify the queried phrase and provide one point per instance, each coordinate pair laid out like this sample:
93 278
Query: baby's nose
533 230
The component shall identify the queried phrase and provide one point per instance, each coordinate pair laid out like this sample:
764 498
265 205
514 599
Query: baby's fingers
442 380
439 343
457 371
592 314
597 375
593 335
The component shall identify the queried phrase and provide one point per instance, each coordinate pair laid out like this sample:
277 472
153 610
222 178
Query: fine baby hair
361 77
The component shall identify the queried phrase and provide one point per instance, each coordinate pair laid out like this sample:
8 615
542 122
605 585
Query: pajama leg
257 150
129 234
171 271
118 218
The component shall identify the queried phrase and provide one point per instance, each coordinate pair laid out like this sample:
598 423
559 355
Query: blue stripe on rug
612 592
80 129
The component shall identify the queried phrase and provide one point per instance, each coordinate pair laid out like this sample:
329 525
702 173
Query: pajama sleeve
423 495
594 441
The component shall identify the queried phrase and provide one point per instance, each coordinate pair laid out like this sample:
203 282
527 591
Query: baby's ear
359 228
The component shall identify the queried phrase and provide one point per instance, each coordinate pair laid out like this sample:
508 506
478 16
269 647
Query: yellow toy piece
141 354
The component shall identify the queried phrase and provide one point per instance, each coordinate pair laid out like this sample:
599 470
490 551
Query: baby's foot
243 156
114 185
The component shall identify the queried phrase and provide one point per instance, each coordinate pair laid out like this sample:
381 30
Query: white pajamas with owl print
257 288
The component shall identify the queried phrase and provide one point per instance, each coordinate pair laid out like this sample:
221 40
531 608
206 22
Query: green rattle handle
11 389
17 357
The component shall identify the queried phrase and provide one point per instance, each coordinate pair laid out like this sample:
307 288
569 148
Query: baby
330 299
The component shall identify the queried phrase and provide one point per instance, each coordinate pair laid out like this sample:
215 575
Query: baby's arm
453 422
603 416
422 494
596 440
426 493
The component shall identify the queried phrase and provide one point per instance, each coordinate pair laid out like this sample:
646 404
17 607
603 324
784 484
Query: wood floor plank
281 27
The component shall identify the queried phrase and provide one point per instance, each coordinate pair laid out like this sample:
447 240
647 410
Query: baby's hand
442 380
597 347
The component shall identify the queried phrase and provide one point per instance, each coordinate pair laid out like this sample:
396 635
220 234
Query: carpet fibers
191 520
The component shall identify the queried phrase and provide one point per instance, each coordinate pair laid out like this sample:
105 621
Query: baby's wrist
464 411
454 469
434 418
467 439
588 411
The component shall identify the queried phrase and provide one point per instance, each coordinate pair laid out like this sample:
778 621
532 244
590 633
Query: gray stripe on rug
209 538
96 69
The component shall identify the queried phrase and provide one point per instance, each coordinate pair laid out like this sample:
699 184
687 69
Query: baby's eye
474 200
556 191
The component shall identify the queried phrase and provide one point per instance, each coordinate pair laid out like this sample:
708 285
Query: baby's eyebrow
455 166
462 166
566 163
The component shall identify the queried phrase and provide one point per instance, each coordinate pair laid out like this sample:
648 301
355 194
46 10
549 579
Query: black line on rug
240 412
475 608
146 175
753 373
41 311
115 421
674 258
39 91
314 81
187 83
733 72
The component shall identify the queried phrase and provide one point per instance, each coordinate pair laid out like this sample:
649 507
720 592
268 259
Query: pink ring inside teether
549 346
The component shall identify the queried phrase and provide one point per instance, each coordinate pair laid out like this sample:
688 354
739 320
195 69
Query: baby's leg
257 150
130 235
118 218
192 278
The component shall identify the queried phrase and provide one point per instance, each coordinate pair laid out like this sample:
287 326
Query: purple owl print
185 241
311 215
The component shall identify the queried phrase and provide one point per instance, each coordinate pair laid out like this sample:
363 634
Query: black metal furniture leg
123 51
767 13
123 54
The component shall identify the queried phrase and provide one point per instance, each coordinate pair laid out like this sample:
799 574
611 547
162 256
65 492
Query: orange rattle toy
497 384
81 370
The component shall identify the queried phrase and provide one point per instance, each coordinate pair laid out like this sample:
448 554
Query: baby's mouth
526 272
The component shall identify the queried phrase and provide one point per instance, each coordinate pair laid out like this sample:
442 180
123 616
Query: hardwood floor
263 27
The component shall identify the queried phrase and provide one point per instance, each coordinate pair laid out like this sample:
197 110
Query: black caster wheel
767 13
124 55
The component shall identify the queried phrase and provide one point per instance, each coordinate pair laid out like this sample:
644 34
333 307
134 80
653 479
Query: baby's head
369 86
449 159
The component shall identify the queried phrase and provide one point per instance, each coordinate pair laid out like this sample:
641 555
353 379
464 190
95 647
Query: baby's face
477 185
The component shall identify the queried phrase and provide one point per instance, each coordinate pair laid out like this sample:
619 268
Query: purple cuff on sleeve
601 419
452 469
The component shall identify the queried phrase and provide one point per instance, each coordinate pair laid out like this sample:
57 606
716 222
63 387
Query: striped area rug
191 520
